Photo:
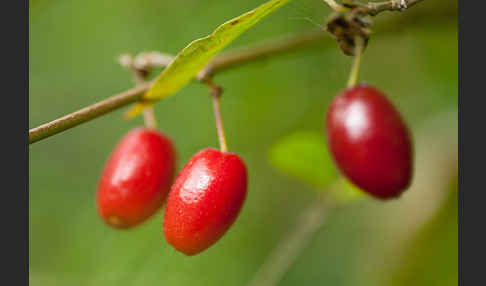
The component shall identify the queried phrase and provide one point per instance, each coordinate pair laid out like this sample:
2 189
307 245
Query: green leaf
343 191
199 53
304 156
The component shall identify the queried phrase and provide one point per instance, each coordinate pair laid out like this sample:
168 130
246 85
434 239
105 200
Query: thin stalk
216 96
353 76
149 118
139 76
374 8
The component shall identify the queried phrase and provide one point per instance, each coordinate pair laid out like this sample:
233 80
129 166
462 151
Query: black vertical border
472 142
14 210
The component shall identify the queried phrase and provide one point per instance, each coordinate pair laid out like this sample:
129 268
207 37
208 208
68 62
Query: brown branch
374 8
140 73
149 60
88 113
267 48
220 63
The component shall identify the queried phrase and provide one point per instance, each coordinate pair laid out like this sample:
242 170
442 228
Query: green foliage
304 156
344 191
199 53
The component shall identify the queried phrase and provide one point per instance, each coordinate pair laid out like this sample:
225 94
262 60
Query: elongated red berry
136 179
369 141
205 200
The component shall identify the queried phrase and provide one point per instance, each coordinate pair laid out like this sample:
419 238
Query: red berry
205 200
136 178
369 141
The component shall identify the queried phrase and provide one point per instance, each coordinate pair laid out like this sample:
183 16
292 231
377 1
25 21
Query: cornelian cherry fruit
369 141
136 178
204 200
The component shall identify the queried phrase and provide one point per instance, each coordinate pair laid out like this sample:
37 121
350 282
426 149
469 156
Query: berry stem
140 77
353 76
216 92
149 118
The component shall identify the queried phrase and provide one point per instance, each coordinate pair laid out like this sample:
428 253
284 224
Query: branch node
346 28
140 73
214 89
401 5
149 60
125 60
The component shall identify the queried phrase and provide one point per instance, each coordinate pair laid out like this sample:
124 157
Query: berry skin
136 178
205 200
369 141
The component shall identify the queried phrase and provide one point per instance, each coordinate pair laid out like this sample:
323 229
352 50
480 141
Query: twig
269 48
140 72
146 60
287 251
127 62
353 76
87 113
335 6
374 8
216 92
266 48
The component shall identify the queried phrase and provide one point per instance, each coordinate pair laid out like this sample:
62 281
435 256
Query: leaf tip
135 110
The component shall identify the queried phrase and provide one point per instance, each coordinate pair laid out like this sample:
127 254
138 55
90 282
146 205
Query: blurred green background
412 56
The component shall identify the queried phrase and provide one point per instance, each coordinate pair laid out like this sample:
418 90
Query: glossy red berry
369 141
205 200
136 178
